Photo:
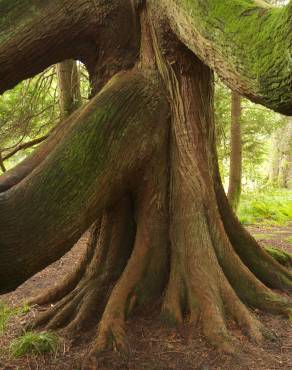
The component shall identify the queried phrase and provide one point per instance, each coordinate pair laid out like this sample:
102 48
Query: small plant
36 343
272 207
7 312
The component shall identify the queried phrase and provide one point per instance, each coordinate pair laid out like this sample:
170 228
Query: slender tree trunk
274 158
69 87
235 169
280 171
285 166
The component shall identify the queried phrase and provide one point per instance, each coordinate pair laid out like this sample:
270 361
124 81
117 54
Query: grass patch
7 312
289 240
34 343
273 207
262 236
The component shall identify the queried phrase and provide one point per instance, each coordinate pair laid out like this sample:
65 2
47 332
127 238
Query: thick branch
248 45
87 171
35 35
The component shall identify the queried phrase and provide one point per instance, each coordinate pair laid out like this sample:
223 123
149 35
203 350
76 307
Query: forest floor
152 345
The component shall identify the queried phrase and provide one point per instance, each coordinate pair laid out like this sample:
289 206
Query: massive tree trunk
235 168
163 227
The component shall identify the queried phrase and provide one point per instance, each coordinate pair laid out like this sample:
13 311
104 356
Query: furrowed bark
35 35
41 230
248 45
24 168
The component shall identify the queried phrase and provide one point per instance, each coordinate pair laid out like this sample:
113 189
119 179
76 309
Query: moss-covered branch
89 169
247 44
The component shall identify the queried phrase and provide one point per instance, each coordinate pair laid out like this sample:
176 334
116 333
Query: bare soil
152 346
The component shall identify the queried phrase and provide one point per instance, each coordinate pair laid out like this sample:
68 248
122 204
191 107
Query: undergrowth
7 312
272 207
34 343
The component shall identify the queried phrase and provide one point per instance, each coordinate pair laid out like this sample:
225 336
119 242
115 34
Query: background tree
258 126
139 161
235 171
69 87
280 171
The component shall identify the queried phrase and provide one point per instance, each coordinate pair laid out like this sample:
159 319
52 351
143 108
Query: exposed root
172 308
247 286
264 266
60 290
283 257
111 246
142 270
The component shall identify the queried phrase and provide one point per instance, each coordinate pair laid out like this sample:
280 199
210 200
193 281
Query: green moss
256 42
284 258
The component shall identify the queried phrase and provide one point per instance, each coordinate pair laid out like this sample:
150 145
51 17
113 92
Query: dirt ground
152 346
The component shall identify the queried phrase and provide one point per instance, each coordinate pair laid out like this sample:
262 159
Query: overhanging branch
37 34
248 45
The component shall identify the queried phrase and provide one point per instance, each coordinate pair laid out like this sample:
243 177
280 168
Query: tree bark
36 35
166 230
69 87
31 228
236 40
235 168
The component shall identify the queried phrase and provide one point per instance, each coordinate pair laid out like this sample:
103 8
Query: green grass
272 207
262 236
7 312
34 343
289 239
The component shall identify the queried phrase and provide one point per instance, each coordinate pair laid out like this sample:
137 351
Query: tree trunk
69 87
274 158
165 230
280 171
285 166
235 169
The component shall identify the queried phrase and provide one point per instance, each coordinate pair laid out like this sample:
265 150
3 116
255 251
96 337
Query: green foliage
269 207
257 126
31 110
6 313
36 343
